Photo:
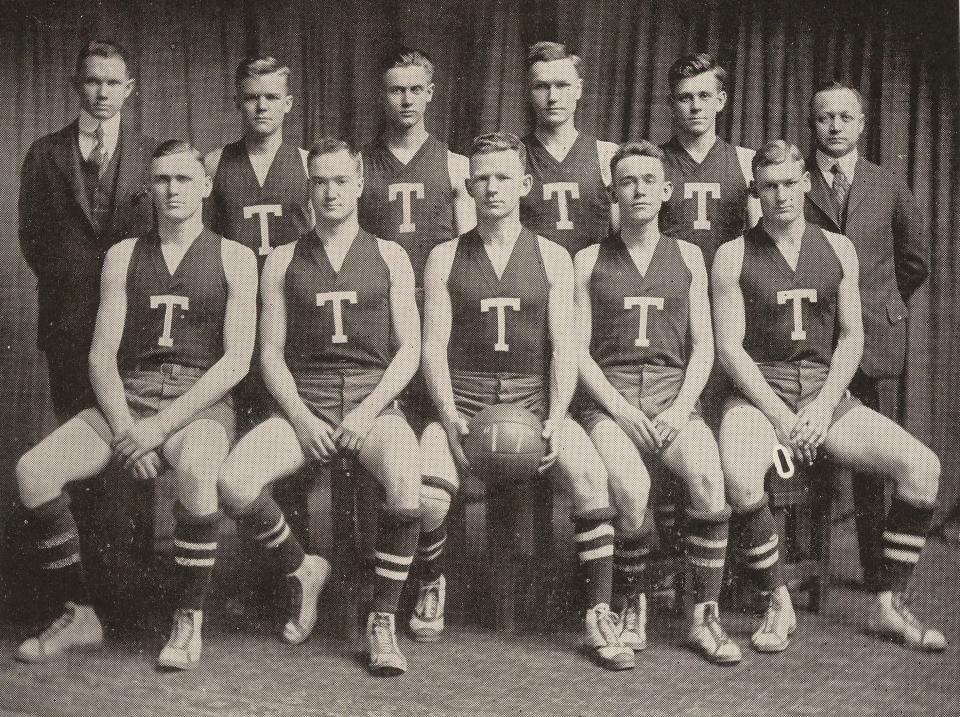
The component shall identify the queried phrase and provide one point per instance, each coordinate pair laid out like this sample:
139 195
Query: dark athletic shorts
474 390
797 383
652 389
149 391
332 395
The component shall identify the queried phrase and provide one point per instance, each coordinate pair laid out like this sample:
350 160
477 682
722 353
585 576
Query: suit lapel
71 154
859 186
820 194
126 171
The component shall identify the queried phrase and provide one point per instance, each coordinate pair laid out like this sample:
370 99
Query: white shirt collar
111 129
847 163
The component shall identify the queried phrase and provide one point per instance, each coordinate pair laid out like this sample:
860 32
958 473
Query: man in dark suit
876 210
82 189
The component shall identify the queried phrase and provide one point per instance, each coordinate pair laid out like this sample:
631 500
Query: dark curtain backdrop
901 55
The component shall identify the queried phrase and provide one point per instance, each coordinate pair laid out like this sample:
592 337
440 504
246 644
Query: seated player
174 334
790 335
512 295
643 313
339 340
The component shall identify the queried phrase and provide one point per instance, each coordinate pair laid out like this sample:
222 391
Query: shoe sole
307 633
386 671
72 650
611 665
169 665
715 659
896 637
427 637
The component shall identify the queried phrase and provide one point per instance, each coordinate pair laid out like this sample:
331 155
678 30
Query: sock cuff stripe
706 562
396 559
761 549
632 568
603 551
194 562
58 540
431 548
427 557
627 554
914 541
62 563
604 529
706 542
665 508
275 530
901 556
765 562
276 542
398 575
185 545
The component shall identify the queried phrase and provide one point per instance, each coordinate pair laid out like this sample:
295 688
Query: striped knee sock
593 533
436 495
265 521
707 552
396 545
903 540
758 544
194 554
630 554
57 546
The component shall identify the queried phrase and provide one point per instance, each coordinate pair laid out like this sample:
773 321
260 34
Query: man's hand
670 423
148 467
551 428
316 438
810 430
783 425
641 431
355 427
144 436
456 428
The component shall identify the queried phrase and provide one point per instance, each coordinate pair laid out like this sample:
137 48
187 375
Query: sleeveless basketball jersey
175 318
568 202
338 320
412 203
499 325
640 318
260 217
709 202
790 316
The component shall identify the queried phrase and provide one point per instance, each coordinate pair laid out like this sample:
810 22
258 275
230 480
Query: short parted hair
178 146
332 145
835 85
102 48
640 148
696 63
499 142
258 65
550 52
408 57
777 151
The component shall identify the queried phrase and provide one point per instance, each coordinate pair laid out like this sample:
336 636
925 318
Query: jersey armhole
745 157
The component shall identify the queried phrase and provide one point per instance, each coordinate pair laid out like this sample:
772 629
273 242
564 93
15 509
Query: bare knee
36 485
401 495
589 488
919 480
743 494
706 491
196 490
237 491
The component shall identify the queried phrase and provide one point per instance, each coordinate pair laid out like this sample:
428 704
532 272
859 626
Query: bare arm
438 319
605 151
464 210
107 335
701 331
563 366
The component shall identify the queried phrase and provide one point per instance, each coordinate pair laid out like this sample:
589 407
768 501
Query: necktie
841 188
98 155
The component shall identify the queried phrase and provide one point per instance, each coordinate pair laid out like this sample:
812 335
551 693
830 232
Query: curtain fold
901 55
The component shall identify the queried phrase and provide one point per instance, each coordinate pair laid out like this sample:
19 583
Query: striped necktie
98 155
841 188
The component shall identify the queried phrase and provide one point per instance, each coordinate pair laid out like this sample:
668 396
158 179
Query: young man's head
102 78
336 180
836 118
555 82
697 94
263 94
498 177
780 182
640 182
407 87
178 181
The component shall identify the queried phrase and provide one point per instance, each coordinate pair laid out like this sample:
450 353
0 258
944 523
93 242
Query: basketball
505 443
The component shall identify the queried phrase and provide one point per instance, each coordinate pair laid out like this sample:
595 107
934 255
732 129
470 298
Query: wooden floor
832 668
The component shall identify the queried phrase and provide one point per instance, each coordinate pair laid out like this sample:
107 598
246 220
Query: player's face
696 101
555 89
264 100
335 186
406 93
103 86
838 121
180 184
781 188
497 182
640 188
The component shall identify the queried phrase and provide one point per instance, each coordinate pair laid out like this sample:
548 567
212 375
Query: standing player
647 349
512 295
571 171
790 335
174 334
877 212
260 192
710 205
415 194
340 339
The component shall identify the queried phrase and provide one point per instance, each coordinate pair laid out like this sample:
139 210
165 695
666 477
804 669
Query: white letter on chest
501 305
168 301
263 211
797 296
643 303
406 191
336 298
563 190
700 191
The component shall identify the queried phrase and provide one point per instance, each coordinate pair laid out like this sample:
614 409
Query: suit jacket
59 240
884 224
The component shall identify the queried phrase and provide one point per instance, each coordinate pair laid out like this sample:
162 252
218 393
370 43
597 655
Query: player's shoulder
211 160
587 255
554 255
690 252
458 164
123 247
841 244
280 256
236 250
729 257
445 249
606 149
745 156
391 251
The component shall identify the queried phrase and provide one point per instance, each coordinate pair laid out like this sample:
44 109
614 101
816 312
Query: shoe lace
182 630
605 624
384 637
902 607
294 597
770 617
61 623
429 603
711 620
